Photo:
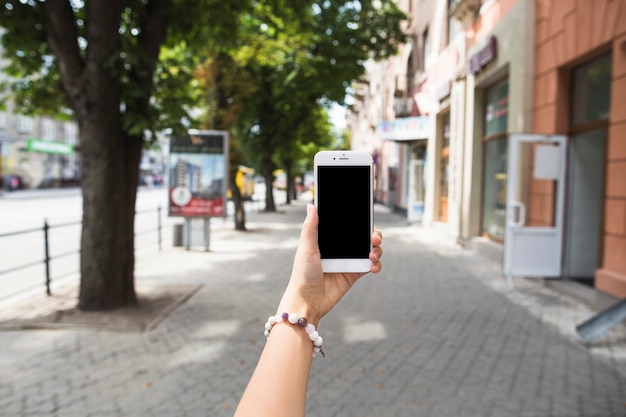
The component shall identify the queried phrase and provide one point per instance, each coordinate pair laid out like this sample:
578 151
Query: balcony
465 11
403 107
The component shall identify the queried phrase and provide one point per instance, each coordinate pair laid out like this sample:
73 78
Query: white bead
293 318
268 326
267 333
272 320
313 335
319 341
316 349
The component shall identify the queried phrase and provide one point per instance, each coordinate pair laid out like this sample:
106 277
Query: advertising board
198 174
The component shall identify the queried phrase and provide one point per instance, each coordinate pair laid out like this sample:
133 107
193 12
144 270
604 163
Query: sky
338 116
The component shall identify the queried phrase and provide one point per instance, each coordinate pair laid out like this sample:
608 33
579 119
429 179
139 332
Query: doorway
585 185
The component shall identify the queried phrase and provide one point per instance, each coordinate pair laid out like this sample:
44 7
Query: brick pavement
437 333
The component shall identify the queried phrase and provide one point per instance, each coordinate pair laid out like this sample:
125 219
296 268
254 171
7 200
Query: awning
424 102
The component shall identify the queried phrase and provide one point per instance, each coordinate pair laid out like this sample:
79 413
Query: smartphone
343 184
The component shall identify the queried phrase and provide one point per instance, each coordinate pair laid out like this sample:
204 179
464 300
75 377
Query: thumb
308 235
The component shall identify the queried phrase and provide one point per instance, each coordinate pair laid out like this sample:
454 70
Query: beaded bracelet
293 318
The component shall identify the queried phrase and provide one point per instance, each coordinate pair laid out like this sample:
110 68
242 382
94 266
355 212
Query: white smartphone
343 184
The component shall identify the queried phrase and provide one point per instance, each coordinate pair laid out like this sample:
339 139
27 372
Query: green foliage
259 67
165 102
299 62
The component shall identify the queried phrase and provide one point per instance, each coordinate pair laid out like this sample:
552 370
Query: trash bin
178 235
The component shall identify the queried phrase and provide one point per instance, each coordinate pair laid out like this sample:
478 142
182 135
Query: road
27 211
62 209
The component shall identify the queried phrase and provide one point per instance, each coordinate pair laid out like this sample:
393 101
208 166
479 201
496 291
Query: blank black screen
343 201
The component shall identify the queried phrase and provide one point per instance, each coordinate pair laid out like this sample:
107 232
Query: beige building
500 122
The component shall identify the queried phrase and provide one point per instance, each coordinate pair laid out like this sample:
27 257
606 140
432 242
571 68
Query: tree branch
62 36
154 29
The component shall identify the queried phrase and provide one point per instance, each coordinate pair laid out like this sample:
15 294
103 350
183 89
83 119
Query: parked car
12 182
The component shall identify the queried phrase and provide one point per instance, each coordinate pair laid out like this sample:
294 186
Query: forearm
278 385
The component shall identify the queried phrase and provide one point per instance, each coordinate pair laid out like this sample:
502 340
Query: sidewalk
437 333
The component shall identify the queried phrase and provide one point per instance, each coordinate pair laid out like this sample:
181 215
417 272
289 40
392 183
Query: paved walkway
437 333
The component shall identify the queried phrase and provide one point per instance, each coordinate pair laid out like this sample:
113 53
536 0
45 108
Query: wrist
304 329
295 304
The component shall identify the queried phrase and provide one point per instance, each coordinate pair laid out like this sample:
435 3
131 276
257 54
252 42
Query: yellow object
245 182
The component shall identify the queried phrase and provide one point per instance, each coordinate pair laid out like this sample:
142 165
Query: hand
311 292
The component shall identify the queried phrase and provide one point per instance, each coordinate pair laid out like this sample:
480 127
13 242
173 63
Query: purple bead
285 316
301 322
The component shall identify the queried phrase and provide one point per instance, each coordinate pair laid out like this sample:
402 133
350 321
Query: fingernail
309 208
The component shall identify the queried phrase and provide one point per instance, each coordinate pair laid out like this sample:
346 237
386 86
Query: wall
569 32
510 22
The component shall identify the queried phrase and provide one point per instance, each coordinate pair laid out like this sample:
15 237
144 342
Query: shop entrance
585 187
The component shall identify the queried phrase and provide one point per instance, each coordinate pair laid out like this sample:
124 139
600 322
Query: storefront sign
408 128
198 166
483 57
48 146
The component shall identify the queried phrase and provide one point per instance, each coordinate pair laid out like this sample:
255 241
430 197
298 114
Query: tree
309 59
103 63
224 91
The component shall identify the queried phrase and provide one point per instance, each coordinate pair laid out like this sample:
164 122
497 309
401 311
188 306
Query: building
503 122
579 86
41 152
36 151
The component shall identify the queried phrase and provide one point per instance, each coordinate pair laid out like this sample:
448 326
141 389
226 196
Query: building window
426 49
454 26
71 134
495 148
48 129
24 124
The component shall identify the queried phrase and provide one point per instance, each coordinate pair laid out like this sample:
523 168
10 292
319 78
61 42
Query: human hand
312 293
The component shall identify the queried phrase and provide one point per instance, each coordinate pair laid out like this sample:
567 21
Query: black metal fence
46 232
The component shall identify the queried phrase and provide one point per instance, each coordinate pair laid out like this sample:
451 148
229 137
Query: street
437 333
27 210
62 208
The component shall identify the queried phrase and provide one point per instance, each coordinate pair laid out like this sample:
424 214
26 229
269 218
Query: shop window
444 168
497 110
591 91
495 149
494 187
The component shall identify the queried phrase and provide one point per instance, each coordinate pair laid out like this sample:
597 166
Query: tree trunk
269 193
109 183
240 212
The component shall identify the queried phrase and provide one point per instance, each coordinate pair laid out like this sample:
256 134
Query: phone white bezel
346 158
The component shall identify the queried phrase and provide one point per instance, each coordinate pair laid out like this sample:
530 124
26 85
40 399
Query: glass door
534 206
